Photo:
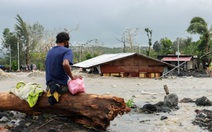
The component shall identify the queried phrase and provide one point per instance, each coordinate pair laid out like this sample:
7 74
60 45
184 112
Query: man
58 69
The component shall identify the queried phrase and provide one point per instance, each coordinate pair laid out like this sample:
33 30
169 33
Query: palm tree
23 33
199 26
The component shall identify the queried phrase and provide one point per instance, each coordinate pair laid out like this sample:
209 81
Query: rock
4 114
148 108
4 119
187 100
171 100
163 117
164 109
142 121
203 101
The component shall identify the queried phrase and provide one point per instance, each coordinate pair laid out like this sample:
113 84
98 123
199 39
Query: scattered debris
20 122
163 117
36 73
166 89
147 93
203 101
193 73
203 119
142 121
171 100
170 103
148 108
186 100
3 75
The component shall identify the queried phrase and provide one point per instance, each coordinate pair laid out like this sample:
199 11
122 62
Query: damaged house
186 62
125 65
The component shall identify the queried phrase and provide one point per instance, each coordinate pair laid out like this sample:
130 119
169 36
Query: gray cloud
107 19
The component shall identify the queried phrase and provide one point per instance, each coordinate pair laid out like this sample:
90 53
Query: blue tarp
1 66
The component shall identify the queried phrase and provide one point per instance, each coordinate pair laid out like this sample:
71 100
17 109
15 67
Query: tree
9 42
29 36
186 46
36 52
149 35
166 46
157 47
199 26
130 35
36 32
95 46
123 40
128 38
23 35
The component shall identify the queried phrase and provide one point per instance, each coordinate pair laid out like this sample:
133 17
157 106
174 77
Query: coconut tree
30 36
23 33
199 26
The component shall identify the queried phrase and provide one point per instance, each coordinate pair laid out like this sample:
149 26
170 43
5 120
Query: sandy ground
144 91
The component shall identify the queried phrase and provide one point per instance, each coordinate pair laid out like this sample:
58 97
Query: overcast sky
107 19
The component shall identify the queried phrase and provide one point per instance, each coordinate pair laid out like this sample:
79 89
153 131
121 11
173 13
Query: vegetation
24 40
199 26
32 42
130 103
149 35
127 39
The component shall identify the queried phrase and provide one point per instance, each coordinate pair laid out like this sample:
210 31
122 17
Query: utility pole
80 52
18 56
10 58
178 53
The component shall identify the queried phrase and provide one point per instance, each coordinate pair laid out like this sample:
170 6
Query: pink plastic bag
76 86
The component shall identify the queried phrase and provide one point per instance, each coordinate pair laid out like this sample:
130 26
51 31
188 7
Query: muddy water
144 91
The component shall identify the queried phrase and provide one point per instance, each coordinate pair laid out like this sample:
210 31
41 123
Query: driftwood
88 109
166 89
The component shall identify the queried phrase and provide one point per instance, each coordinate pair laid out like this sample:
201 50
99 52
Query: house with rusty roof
126 65
186 62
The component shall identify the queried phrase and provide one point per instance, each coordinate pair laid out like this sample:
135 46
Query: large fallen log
88 109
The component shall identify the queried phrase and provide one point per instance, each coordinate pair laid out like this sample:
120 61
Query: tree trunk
88 109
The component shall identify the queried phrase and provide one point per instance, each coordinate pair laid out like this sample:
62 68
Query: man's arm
67 68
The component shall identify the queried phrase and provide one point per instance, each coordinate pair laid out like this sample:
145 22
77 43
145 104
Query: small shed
187 62
126 64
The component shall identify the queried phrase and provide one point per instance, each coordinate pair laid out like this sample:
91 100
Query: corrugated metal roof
176 59
102 59
110 57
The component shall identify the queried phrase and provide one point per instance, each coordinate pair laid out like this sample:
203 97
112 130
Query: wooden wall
135 66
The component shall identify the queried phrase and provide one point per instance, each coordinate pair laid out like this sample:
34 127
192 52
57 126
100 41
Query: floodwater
142 91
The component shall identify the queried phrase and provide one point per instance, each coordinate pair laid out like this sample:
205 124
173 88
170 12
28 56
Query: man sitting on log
58 69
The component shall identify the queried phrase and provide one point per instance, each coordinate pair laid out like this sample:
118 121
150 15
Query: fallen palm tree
88 109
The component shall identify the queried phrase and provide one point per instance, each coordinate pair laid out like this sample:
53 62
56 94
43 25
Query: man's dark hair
62 37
